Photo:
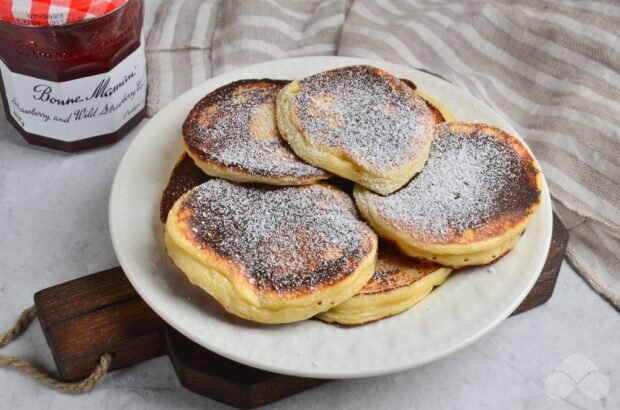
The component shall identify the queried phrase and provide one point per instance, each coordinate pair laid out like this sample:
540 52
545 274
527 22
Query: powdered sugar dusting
234 126
284 238
373 118
468 180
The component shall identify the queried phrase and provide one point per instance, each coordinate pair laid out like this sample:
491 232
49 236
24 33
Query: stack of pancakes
344 196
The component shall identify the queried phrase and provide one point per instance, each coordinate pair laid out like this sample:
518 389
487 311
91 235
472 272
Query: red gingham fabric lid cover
54 12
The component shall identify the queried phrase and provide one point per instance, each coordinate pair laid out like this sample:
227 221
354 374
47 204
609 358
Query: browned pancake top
284 239
395 270
234 127
371 117
478 182
184 177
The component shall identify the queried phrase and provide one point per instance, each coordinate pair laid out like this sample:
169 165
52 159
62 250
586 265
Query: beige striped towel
552 68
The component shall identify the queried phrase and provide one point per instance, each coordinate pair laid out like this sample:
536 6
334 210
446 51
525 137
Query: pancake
271 254
440 113
231 133
358 122
399 283
438 116
184 176
470 203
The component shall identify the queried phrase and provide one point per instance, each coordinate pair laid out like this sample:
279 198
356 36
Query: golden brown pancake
184 176
435 112
358 122
395 286
469 204
438 111
231 133
271 254
399 283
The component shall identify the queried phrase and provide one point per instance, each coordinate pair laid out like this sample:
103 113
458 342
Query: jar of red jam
73 72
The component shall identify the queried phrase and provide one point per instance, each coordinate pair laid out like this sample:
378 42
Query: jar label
78 109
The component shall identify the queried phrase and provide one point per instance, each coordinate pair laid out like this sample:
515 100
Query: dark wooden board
218 378
86 317
102 313
543 289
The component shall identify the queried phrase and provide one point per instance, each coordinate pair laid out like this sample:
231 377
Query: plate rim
318 372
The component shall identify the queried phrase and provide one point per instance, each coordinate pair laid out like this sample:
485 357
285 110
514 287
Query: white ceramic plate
466 307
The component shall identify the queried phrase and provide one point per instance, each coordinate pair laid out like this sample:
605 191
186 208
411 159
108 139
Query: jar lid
54 12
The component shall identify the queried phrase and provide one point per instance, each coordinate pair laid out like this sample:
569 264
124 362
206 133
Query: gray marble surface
54 227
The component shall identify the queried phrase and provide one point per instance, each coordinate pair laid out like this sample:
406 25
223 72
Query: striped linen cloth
551 67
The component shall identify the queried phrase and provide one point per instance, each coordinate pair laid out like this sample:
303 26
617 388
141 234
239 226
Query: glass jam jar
73 81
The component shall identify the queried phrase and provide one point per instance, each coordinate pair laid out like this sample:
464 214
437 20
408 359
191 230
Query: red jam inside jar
78 85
